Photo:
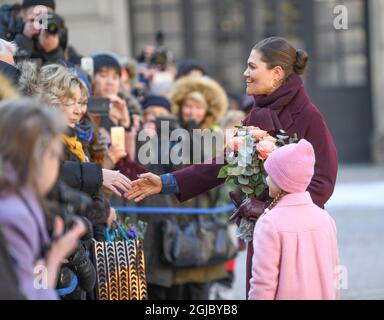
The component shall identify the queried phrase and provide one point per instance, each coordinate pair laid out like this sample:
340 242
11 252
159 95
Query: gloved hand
250 208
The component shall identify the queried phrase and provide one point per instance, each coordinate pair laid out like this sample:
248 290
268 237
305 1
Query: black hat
153 100
188 65
32 3
105 61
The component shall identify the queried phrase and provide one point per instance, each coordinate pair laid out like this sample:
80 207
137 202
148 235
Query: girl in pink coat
295 245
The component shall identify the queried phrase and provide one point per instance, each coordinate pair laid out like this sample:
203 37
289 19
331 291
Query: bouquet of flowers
246 154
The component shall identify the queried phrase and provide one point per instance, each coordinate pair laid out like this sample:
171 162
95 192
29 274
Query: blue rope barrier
174 211
66 291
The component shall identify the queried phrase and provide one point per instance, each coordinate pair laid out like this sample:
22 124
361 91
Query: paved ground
358 209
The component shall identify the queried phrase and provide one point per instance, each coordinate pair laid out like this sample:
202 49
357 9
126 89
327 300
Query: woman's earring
274 86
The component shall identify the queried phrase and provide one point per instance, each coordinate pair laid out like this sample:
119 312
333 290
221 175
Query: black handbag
202 242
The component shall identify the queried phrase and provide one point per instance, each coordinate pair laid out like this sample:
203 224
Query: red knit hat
292 167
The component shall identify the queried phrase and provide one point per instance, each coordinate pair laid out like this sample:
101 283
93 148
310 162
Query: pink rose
258 134
265 148
269 138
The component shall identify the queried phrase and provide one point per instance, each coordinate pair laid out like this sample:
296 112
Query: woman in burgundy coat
281 102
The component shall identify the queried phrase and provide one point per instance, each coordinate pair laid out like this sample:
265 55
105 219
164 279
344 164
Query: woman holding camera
30 156
64 90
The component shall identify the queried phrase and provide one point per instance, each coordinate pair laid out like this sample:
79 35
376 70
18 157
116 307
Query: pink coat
295 252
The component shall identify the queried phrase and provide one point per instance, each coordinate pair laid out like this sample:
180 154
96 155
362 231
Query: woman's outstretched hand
114 180
147 185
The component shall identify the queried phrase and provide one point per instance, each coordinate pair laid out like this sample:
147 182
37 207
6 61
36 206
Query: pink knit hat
292 167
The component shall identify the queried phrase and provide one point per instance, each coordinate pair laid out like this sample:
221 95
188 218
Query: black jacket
29 49
10 22
86 177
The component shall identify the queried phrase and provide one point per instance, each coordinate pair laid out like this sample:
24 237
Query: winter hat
82 76
153 100
105 61
292 167
188 65
32 3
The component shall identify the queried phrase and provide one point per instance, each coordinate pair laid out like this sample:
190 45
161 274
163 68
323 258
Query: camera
99 105
162 58
52 23
68 204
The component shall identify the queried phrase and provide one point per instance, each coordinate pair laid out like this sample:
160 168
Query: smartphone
87 65
99 105
118 137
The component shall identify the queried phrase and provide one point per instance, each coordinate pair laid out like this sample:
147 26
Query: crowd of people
41 73
62 171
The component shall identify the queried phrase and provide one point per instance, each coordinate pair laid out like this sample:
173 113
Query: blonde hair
213 93
58 85
54 83
277 199
198 97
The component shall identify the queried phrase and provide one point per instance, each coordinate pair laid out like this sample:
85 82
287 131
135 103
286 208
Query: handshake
150 184
146 185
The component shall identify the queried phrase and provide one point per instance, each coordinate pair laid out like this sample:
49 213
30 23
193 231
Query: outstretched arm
147 185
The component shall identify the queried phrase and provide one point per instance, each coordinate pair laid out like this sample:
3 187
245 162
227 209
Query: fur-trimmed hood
212 91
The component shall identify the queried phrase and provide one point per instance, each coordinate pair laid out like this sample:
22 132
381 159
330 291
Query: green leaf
248 173
236 171
246 190
259 189
243 180
255 178
228 180
223 172
265 180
